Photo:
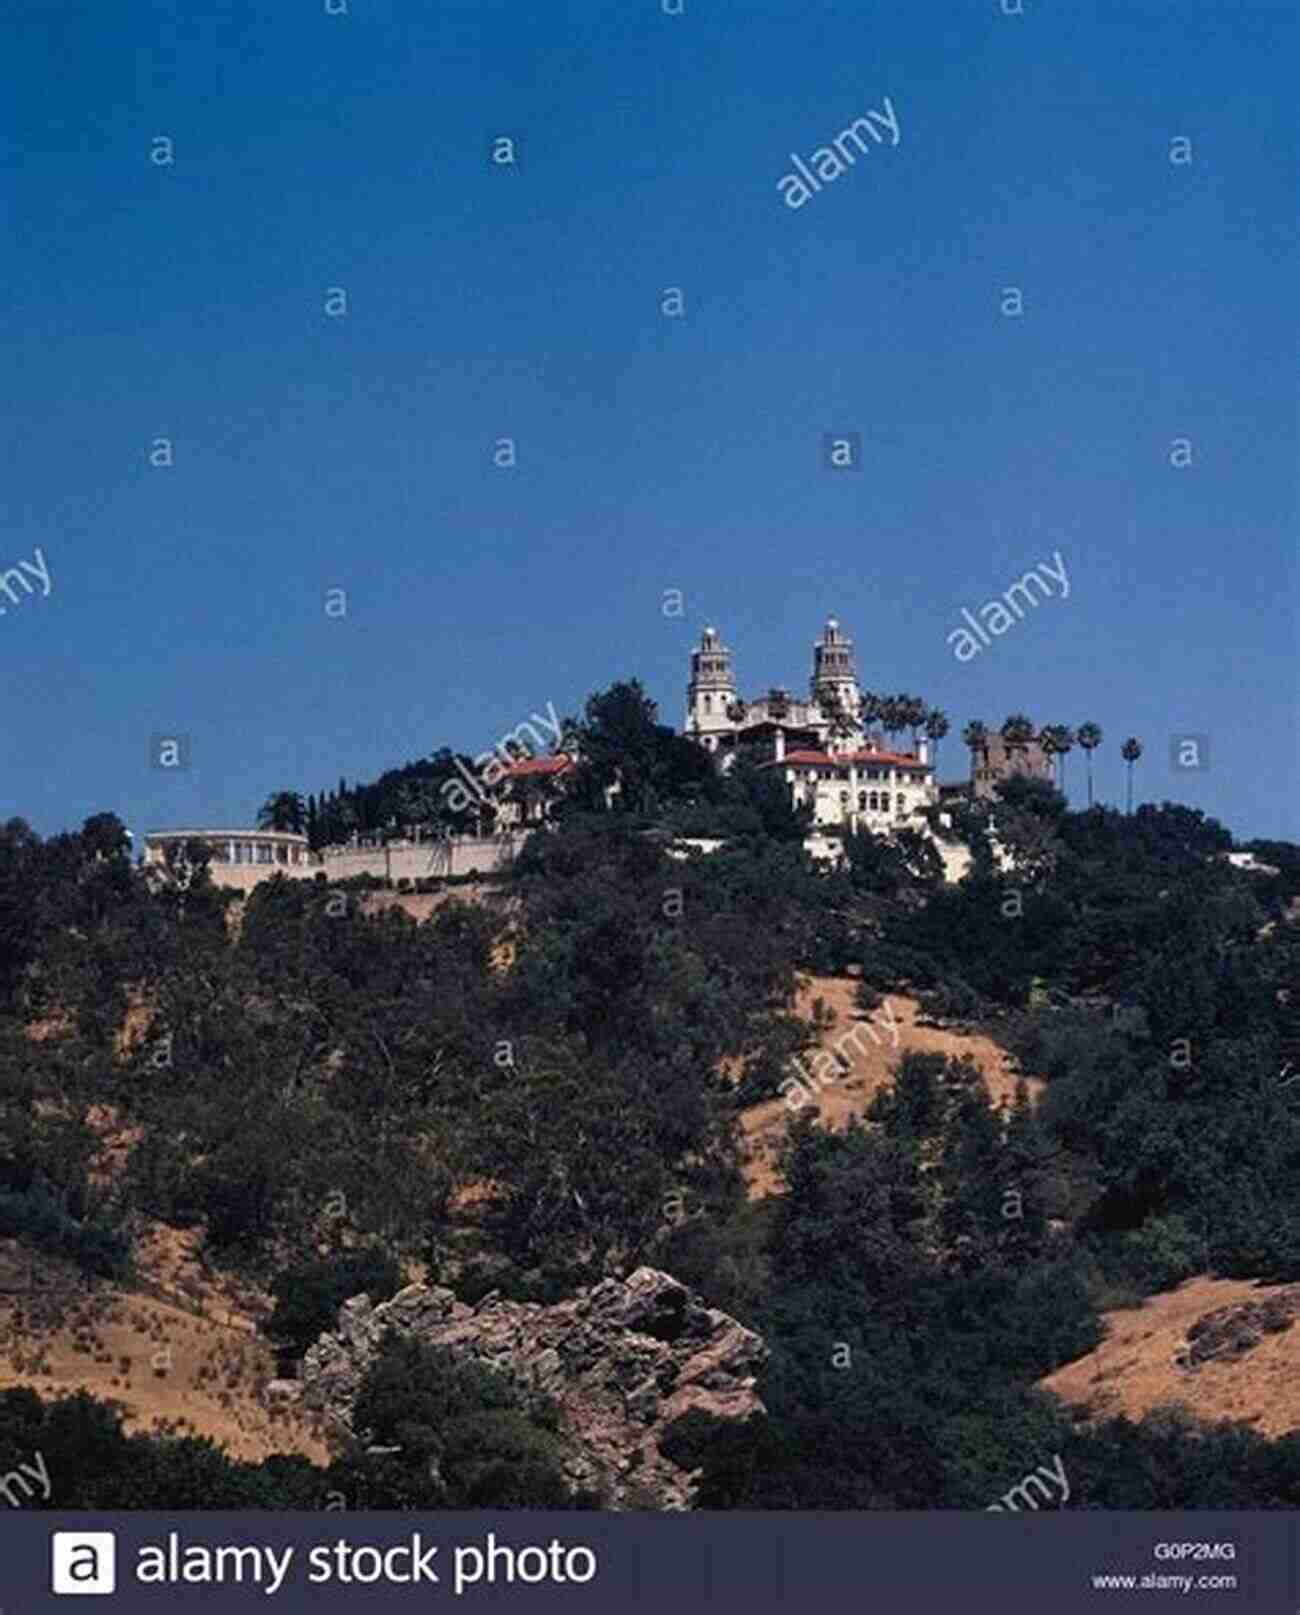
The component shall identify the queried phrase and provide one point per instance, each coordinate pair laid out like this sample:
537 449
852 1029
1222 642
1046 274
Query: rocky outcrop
622 1360
1230 1332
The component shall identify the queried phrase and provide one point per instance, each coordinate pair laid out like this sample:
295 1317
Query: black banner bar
668 1564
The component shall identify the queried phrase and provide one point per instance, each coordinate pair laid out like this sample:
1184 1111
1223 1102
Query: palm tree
913 713
976 736
283 810
870 708
778 705
936 727
1065 745
1017 733
893 714
1048 739
1130 751
1090 737
1056 739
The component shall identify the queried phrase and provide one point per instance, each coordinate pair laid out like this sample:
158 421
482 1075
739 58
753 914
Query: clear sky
145 300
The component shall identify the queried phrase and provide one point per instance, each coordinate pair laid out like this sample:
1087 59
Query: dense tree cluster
417 797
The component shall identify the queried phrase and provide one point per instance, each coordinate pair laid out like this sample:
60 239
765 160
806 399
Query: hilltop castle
820 745
825 754
719 719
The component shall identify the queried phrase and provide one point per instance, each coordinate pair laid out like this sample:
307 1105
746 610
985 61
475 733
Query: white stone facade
718 718
240 859
868 789
826 756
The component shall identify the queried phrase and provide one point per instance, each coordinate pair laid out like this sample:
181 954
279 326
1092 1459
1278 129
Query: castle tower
711 690
835 674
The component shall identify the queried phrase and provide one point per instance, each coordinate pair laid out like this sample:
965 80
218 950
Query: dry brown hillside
181 1355
872 1066
180 1349
1222 1348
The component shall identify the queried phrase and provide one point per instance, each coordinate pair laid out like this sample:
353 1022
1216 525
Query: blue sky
311 454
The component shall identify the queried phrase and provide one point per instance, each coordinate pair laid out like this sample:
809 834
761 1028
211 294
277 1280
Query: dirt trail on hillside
1143 1361
848 1096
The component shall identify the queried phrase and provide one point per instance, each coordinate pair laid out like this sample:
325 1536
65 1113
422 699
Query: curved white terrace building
240 858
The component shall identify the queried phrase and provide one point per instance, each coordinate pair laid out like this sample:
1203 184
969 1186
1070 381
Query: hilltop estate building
851 779
240 858
825 755
998 759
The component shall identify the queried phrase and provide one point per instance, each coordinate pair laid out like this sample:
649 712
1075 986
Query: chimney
780 744
923 751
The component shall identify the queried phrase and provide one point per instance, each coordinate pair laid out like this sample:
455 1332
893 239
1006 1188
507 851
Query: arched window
862 801
884 801
708 703
874 801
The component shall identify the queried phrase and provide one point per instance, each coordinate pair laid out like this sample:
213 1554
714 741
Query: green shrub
1163 1252
868 998
951 1001
891 965
491 1441
762 1080
33 1216
237 1192
308 1298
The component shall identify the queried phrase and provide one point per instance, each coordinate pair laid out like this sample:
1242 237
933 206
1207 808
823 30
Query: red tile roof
891 759
539 765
